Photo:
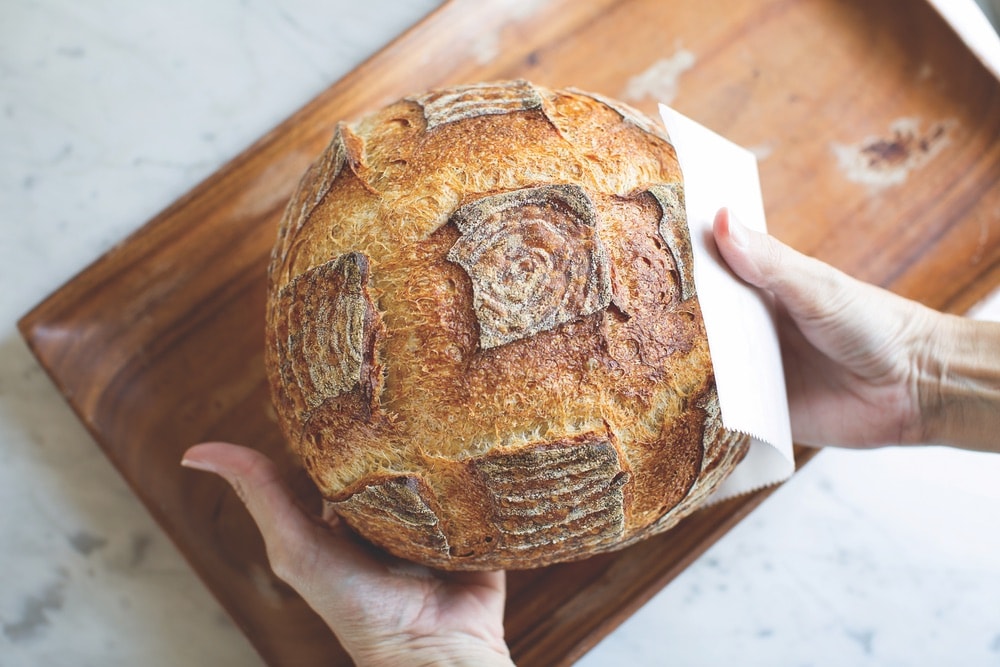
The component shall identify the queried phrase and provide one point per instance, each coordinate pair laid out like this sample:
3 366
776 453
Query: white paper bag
739 319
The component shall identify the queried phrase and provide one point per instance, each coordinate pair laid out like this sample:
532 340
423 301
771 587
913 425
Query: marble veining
109 112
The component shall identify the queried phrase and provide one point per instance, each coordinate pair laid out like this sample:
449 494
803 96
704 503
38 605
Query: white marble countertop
111 110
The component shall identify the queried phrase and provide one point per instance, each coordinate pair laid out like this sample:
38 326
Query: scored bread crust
483 337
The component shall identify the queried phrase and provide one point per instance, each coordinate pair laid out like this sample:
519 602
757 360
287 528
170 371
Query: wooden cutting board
877 133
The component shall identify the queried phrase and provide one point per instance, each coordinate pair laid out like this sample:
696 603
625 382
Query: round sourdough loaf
483 337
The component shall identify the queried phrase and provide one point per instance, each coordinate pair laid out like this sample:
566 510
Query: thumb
289 533
796 280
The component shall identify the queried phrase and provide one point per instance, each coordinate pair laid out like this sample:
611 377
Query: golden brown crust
520 263
343 149
628 113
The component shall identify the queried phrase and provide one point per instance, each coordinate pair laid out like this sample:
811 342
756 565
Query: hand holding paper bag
865 367
846 344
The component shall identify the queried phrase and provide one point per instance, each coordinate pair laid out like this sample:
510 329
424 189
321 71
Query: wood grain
159 343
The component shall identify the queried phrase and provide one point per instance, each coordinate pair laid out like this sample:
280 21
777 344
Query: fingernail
738 233
199 465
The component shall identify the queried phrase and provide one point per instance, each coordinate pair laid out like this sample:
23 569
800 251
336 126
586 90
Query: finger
291 536
803 284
